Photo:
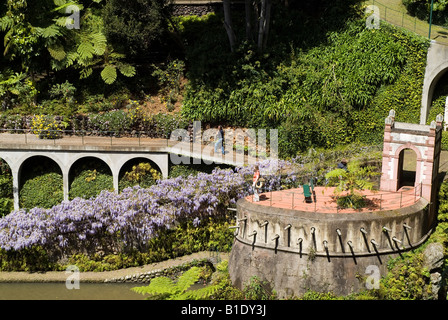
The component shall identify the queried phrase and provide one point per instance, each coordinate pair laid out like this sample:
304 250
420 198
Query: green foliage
16 89
443 202
313 295
182 170
44 191
109 121
141 174
169 81
185 239
354 179
332 94
257 289
63 91
6 206
89 183
166 289
5 185
404 96
407 279
35 32
135 26
225 289
35 259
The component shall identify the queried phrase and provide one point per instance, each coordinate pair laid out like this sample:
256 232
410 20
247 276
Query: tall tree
228 24
265 19
137 26
261 10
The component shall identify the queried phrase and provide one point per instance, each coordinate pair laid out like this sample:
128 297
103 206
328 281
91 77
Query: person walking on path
219 140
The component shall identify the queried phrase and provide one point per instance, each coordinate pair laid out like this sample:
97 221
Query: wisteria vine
114 222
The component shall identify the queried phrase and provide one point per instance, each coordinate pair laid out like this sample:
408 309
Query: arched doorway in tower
407 168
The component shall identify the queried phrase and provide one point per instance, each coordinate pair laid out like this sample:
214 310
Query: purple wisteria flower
113 222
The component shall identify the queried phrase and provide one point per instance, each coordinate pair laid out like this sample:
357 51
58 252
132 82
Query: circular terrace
323 199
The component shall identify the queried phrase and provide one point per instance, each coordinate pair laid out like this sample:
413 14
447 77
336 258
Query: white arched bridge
17 148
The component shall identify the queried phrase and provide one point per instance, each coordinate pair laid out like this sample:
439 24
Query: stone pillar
428 168
15 187
446 114
387 182
115 177
163 164
65 183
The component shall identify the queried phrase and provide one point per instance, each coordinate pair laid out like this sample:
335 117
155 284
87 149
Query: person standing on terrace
254 183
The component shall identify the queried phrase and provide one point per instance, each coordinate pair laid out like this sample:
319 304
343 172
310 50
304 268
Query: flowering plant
112 223
47 127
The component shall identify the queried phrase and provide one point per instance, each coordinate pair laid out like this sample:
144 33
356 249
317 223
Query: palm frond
57 52
109 74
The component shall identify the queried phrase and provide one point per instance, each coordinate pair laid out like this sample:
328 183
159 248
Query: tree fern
51 31
109 74
126 69
165 288
57 52
86 49
6 23
99 42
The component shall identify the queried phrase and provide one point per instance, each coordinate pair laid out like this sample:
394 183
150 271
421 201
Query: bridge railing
79 137
83 137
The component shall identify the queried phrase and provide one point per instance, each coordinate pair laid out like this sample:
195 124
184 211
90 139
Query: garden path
61 276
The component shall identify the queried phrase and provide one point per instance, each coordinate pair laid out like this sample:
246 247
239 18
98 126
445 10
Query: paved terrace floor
323 200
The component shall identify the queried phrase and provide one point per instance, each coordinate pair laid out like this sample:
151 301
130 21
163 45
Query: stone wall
195 9
296 251
171 272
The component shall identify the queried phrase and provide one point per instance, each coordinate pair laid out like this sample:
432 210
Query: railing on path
150 140
83 137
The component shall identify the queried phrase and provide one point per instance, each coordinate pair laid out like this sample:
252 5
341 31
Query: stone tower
425 141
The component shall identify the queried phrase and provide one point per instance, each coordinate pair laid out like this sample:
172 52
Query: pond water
58 291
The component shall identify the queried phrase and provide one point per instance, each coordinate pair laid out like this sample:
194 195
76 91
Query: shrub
6 206
43 191
182 171
104 123
89 183
47 127
141 174
257 289
5 186
407 279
